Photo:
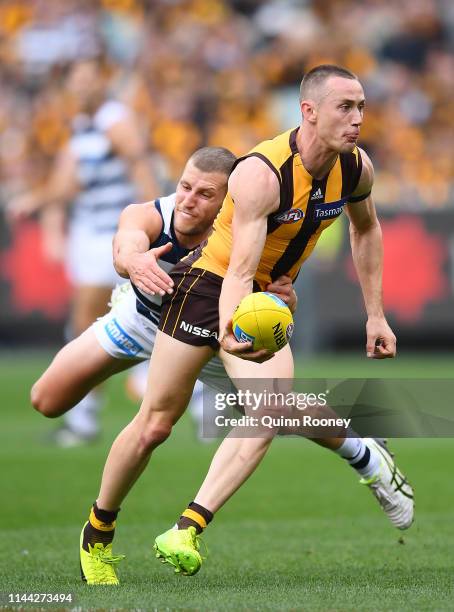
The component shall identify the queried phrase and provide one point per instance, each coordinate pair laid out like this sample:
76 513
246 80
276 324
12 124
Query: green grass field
300 535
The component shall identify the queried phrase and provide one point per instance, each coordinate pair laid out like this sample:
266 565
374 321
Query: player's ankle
196 516
100 527
364 460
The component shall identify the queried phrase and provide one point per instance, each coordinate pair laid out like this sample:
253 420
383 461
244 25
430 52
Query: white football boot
390 487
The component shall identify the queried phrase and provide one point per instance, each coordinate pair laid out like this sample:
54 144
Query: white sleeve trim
167 207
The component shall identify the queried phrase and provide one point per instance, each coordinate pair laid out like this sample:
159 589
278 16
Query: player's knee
42 401
153 435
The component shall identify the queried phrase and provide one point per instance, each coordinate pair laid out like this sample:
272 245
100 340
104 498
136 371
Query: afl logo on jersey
289 216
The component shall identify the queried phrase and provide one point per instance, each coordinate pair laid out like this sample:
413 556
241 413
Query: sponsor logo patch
328 210
197 331
123 340
318 195
289 216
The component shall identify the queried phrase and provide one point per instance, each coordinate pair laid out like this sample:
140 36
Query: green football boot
180 548
97 566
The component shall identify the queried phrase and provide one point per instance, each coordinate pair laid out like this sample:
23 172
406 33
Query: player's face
198 200
340 114
85 83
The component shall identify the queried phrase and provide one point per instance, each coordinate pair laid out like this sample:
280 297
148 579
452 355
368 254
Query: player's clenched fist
381 341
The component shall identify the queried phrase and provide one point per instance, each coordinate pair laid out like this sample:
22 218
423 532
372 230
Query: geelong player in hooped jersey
100 170
276 207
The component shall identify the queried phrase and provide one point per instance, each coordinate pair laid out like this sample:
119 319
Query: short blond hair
213 159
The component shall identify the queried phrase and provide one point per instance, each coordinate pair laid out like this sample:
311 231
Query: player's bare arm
128 142
139 226
367 250
255 192
59 190
53 228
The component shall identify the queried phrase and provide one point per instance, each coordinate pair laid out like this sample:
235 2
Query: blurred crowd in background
226 73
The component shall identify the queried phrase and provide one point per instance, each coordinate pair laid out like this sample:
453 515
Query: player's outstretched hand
381 341
283 288
145 273
243 350
21 207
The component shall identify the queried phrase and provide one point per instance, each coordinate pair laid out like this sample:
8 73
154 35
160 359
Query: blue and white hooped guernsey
105 186
150 305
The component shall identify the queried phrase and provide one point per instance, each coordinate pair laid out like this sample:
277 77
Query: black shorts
191 312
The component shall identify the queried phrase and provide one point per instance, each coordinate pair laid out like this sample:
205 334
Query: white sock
83 418
366 461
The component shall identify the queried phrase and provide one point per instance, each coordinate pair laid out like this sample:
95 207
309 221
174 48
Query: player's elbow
119 268
367 227
42 401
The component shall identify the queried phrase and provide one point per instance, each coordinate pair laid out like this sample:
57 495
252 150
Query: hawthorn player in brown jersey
281 197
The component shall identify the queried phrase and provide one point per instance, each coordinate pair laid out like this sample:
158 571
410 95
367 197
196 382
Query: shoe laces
198 542
103 560
378 485
369 481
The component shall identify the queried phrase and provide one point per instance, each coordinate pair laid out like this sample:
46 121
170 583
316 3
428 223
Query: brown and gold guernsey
307 207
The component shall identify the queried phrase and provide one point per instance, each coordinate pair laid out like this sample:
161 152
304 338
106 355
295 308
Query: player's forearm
53 221
244 261
367 251
127 244
43 197
234 289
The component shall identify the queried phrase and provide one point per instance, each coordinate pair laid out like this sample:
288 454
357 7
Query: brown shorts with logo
191 312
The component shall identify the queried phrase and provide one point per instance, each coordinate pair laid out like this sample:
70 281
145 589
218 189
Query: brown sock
196 516
100 527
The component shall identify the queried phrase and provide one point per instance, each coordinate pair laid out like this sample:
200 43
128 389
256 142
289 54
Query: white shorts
89 259
126 334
